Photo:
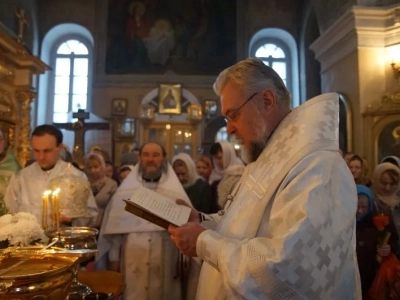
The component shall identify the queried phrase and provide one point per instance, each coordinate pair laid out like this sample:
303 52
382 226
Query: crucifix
20 14
80 127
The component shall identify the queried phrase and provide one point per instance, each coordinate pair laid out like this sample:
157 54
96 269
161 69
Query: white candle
45 208
56 208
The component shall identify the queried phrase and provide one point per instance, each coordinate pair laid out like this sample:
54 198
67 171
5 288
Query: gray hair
254 76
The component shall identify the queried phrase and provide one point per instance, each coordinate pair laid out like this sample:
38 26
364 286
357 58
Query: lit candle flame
55 192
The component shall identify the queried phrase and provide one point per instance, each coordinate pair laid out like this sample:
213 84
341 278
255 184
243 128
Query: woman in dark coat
367 237
197 189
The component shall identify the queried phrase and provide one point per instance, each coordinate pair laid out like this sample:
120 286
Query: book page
161 206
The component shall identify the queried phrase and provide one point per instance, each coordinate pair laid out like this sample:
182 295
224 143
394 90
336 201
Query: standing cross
80 128
20 13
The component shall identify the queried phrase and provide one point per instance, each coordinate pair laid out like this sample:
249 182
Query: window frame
287 41
288 59
53 57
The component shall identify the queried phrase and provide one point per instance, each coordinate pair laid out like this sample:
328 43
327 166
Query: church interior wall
372 73
51 13
329 11
355 63
282 14
359 76
310 83
343 77
376 78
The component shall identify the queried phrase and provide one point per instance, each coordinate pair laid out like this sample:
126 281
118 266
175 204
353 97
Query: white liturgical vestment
26 188
149 258
290 230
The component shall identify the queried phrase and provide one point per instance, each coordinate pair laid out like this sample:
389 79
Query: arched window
272 55
68 49
222 135
70 79
278 49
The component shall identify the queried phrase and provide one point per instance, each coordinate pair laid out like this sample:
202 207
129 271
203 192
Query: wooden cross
20 14
80 127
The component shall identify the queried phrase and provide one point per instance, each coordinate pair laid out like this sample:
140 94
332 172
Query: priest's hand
185 237
194 214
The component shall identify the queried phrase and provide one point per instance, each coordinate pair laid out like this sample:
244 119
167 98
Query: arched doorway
175 132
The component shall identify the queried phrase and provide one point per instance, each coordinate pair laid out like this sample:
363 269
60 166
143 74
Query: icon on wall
169 99
194 112
119 107
210 107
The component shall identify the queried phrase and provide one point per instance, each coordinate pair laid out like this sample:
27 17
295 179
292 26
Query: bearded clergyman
287 231
139 249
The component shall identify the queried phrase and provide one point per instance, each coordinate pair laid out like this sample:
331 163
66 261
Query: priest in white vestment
288 231
141 250
25 190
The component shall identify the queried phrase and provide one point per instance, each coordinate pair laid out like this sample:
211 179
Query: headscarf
232 165
98 183
214 176
392 200
391 159
363 190
191 167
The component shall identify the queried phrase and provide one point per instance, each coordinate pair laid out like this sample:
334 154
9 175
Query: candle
45 207
56 207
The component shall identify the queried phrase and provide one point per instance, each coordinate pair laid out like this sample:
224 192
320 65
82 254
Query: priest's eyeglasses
233 116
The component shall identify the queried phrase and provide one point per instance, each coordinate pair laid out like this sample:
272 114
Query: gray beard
153 174
252 153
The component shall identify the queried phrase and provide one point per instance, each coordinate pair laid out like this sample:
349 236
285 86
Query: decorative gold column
11 137
24 98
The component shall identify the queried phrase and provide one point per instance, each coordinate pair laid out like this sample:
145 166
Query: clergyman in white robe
290 230
25 191
147 255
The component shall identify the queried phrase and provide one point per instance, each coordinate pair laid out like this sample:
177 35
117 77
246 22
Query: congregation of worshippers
208 179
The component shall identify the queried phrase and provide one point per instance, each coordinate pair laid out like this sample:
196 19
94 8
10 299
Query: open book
157 208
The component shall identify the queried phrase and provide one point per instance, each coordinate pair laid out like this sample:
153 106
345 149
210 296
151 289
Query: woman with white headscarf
385 186
229 166
392 159
197 189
